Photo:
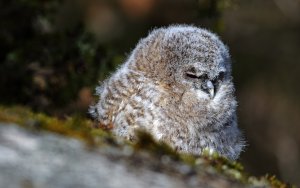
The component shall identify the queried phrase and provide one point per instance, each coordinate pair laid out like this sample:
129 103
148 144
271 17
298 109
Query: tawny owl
177 85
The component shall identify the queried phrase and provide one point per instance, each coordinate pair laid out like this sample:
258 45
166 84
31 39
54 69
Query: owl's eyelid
195 76
191 75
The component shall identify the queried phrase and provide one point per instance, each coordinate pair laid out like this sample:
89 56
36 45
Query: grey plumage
177 85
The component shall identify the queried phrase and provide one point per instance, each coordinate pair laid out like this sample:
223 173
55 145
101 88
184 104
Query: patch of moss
81 128
225 166
76 127
146 142
221 165
277 183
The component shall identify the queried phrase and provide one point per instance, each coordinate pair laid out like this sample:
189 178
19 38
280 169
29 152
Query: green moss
221 165
225 166
82 129
146 142
72 126
75 126
277 183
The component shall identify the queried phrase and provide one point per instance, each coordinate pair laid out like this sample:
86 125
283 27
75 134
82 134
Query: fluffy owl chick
176 85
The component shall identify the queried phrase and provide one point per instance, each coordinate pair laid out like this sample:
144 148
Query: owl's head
185 57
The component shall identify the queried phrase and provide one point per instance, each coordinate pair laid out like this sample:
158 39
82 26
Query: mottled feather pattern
177 85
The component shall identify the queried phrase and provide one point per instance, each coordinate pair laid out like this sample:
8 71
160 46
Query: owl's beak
210 88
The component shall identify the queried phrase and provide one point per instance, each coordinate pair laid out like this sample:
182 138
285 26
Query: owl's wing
114 93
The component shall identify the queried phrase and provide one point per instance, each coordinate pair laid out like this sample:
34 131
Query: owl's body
177 85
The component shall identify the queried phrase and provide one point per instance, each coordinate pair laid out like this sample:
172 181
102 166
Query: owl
176 85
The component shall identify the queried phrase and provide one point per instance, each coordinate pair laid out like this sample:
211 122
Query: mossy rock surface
41 151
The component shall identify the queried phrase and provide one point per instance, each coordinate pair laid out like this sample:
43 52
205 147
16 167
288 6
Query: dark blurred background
54 52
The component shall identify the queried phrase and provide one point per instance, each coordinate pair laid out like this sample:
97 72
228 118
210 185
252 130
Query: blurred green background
54 52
